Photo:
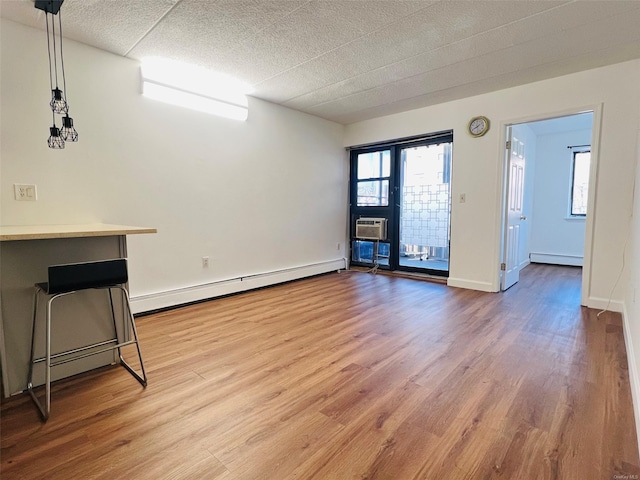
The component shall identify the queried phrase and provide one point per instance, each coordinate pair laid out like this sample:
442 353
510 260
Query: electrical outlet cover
25 192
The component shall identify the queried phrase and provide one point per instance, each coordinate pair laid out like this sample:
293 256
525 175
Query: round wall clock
478 126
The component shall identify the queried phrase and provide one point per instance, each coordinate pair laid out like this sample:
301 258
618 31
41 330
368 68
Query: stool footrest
88 347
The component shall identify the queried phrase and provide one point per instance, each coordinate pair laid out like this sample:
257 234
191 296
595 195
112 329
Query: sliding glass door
425 205
401 203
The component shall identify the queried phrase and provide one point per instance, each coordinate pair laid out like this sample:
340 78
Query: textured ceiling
349 60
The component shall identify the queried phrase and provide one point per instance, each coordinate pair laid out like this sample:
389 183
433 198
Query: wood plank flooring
350 376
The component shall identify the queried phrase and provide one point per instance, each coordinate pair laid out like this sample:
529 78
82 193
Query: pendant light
59 104
68 133
55 139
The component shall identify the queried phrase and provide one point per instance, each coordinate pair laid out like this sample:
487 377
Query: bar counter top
39 232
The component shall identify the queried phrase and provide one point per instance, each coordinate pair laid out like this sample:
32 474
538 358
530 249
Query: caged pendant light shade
55 140
58 103
68 133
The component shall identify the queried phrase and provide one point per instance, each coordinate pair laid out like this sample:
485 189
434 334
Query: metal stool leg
141 378
44 414
46 409
33 337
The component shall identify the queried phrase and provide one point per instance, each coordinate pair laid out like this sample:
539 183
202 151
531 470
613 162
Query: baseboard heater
185 295
556 259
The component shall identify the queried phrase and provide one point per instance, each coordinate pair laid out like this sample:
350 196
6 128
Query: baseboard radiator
557 259
195 293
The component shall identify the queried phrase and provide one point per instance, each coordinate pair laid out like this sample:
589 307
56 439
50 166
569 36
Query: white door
514 214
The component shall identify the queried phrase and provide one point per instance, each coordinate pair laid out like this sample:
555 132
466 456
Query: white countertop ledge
40 232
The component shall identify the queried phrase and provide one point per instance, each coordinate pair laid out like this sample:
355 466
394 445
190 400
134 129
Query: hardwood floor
350 376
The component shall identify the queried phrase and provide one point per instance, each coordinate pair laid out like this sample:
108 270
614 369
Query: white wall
631 313
256 196
556 237
478 167
523 133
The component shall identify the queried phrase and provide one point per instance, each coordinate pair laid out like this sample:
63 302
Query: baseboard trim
557 259
470 284
195 293
634 378
605 304
523 264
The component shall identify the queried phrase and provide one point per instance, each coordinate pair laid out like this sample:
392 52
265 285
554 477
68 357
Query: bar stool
68 279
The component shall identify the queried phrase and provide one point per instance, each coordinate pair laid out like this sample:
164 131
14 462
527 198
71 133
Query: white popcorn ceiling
350 60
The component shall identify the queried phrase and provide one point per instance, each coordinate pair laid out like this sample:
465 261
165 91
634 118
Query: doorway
548 182
400 204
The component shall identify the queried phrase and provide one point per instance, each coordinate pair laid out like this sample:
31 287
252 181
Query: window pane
374 165
581 163
363 251
425 206
373 193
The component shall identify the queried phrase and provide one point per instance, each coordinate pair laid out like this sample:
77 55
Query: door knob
523 217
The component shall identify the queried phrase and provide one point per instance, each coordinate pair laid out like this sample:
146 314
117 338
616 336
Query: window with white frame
580 183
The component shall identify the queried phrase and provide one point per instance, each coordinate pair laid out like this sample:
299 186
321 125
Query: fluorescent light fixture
194 87
193 101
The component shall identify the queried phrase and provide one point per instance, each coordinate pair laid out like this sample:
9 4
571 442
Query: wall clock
478 126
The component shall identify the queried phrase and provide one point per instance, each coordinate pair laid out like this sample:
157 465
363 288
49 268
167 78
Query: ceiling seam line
233 50
283 17
152 28
536 67
386 25
567 2
406 58
368 90
284 102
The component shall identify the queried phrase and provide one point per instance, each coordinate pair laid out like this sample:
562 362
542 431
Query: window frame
379 179
575 153
391 211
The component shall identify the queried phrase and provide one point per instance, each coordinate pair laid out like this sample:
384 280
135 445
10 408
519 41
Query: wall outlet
205 262
25 192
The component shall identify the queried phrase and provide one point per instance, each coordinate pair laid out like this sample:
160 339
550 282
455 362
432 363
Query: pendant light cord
46 17
64 80
55 57
49 50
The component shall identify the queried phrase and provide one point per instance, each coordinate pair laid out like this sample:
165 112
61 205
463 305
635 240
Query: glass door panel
425 206
371 177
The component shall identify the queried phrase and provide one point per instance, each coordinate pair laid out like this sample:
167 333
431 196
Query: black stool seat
66 280
81 276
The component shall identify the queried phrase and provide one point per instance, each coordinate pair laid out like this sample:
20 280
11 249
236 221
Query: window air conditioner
371 228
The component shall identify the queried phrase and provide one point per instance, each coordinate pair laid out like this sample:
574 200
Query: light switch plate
25 192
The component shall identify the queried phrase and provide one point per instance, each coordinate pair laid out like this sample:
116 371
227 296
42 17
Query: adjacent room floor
350 376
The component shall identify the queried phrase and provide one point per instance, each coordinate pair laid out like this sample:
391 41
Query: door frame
591 200
392 211
508 220
388 211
